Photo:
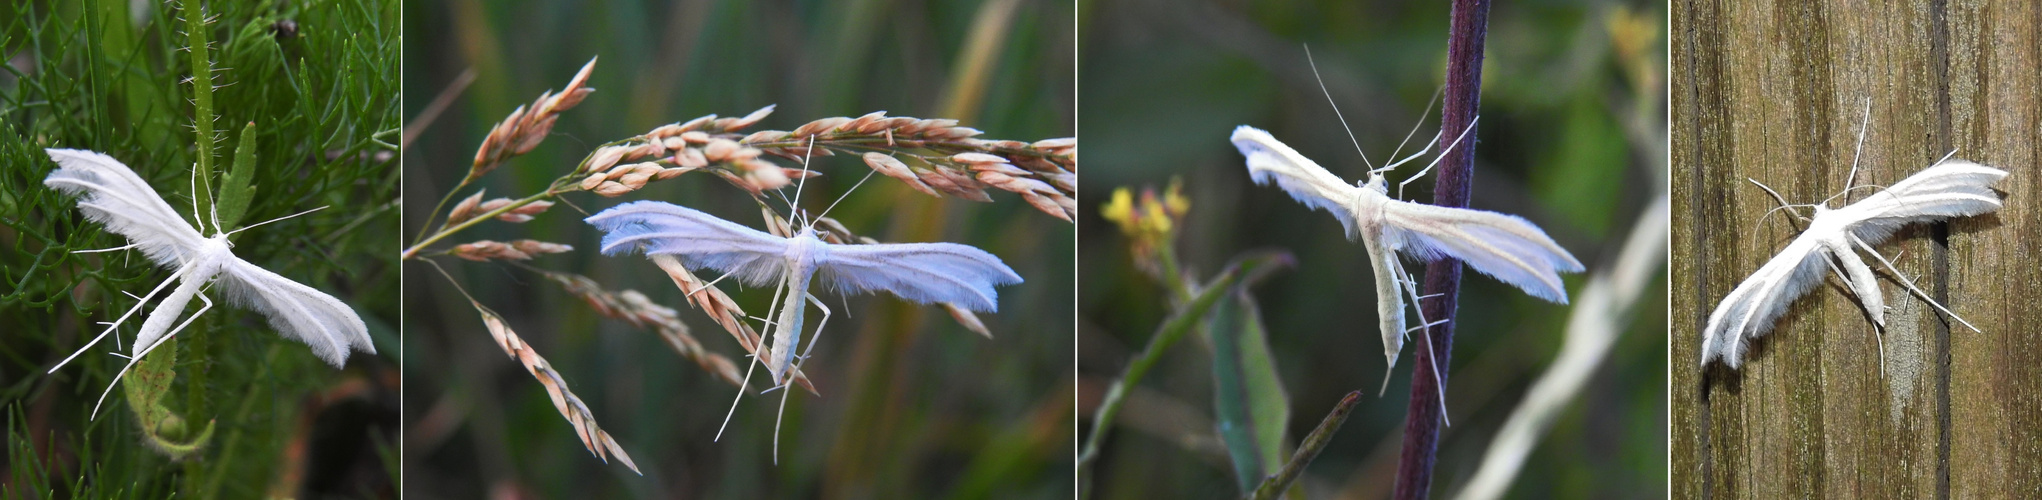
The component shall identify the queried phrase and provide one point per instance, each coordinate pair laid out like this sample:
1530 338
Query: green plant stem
202 100
1173 274
1190 315
426 228
1274 486
551 191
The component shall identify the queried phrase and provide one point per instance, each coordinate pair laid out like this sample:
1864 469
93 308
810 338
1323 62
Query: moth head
216 244
1375 181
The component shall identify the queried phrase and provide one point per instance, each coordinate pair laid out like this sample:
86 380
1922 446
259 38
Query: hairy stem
1463 96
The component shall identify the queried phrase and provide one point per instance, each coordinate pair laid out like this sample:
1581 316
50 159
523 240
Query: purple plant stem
1466 36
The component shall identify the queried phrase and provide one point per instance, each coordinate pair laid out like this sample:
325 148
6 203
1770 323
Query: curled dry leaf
570 406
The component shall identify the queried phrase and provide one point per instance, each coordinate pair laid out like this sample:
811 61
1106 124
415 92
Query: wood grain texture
1774 91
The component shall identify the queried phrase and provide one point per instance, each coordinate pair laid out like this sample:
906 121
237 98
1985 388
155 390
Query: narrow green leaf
1249 403
236 191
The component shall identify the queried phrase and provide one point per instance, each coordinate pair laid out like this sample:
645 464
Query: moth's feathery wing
1955 188
112 195
919 272
1751 308
700 240
1502 246
297 311
1305 180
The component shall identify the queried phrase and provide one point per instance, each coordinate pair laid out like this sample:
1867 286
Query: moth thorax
803 248
1825 222
213 253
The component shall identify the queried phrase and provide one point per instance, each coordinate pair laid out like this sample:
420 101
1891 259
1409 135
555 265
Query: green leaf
235 191
1249 403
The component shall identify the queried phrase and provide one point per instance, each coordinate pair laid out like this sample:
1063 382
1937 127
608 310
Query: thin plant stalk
1274 486
1466 37
1189 316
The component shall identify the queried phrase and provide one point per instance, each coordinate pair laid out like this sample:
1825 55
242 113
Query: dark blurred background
912 405
1164 83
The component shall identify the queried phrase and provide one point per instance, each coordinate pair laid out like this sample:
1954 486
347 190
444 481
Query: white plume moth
919 272
1949 188
112 195
1503 246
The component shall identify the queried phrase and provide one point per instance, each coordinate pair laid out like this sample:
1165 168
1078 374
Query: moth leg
1442 155
206 303
741 386
114 249
1418 305
705 286
181 270
756 346
779 418
1910 283
818 326
1421 152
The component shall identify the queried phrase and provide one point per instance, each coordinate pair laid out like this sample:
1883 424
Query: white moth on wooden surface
112 195
919 272
1949 188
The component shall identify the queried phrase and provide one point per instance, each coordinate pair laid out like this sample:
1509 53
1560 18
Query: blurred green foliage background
912 405
1164 83
319 81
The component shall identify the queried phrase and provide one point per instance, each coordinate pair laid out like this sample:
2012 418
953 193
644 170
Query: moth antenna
119 355
1953 152
847 194
1442 155
1420 124
1863 124
1336 108
252 226
1778 198
1825 201
796 204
